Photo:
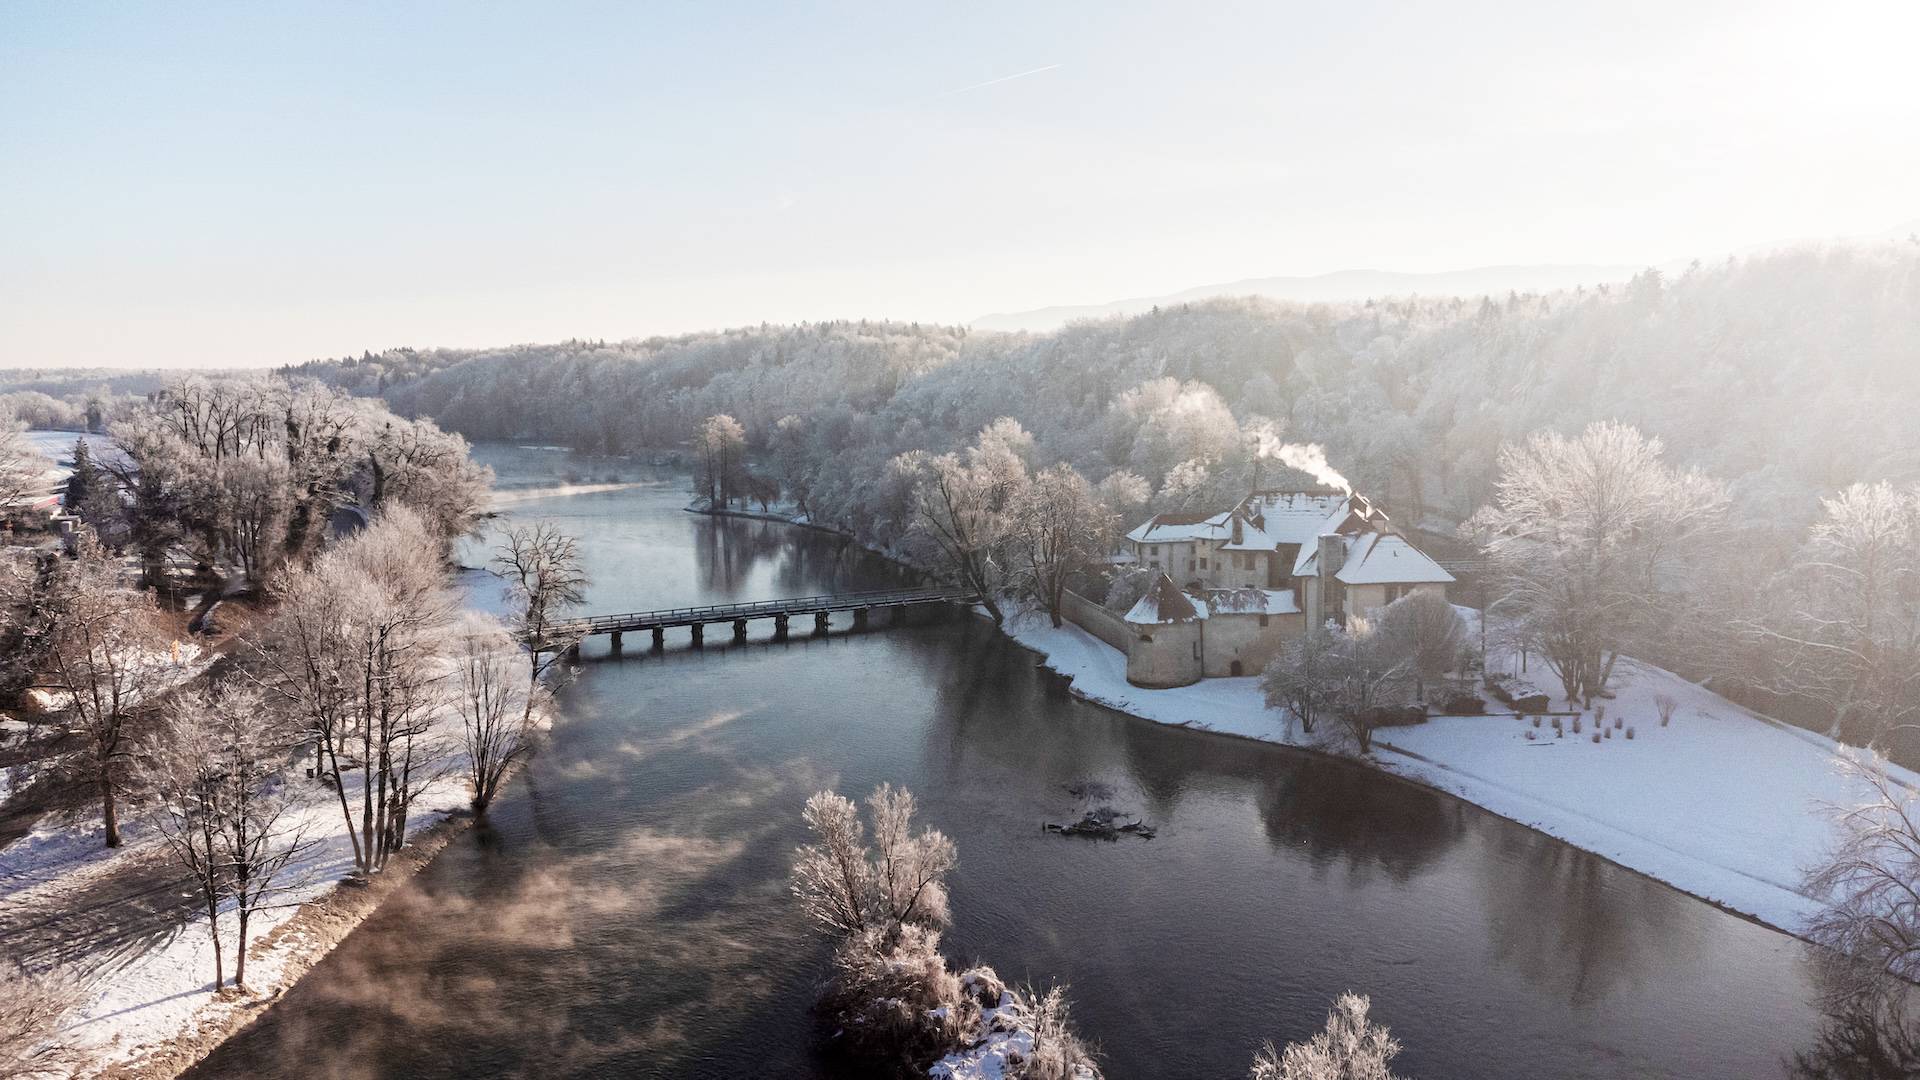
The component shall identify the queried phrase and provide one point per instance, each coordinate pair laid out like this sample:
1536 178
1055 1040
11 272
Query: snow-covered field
147 994
139 1002
1723 803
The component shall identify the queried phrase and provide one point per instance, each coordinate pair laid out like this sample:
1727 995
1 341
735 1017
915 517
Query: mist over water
625 912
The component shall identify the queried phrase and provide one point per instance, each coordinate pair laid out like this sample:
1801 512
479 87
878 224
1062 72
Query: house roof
1177 527
1270 520
1163 604
1379 558
1296 517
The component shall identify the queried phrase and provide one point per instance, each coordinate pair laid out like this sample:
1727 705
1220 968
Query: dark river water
626 911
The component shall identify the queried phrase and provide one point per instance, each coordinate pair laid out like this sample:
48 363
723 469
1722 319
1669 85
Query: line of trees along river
626 907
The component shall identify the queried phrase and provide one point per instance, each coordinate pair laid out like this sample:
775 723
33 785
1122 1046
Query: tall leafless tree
545 578
496 717
1428 632
1588 538
106 653
1844 629
1061 529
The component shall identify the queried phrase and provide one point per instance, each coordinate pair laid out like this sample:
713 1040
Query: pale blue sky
264 183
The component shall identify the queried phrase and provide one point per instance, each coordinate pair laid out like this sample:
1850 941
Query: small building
1234 587
1167 626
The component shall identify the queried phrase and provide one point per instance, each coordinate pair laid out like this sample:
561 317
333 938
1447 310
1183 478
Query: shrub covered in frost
1351 1048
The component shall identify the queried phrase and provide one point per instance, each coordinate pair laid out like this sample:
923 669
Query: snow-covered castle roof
1164 603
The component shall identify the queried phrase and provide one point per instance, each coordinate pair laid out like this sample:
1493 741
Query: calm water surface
626 912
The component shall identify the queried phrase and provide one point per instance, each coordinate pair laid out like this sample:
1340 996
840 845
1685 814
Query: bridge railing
596 624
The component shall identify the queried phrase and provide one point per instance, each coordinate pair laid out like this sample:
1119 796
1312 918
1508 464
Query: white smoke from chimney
1309 458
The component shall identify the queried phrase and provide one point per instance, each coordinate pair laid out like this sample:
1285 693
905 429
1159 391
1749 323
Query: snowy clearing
146 993
144 1001
1723 804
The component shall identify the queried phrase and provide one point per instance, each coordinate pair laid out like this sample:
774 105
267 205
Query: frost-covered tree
1303 678
496 718
21 467
105 653
181 771
720 449
248 470
1843 631
356 650
215 767
1870 876
854 888
544 577
414 463
1125 494
1348 675
1425 629
1352 1047
1590 539
789 444
965 507
1060 531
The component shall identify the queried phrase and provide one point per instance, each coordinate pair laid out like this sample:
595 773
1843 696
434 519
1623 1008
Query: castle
1232 588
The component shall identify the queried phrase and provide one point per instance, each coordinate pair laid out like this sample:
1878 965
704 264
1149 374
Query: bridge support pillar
820 624
573 651
780 627
699 634
659 638
859 618
614 640
739 629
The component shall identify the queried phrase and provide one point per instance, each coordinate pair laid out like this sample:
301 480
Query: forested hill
1790 375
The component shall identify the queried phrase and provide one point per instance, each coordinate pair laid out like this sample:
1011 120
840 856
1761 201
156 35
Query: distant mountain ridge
1341 285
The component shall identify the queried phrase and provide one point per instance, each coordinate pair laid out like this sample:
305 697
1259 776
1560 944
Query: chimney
1332 555
1238 536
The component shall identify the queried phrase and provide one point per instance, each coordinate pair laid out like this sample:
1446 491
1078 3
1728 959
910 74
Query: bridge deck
666 618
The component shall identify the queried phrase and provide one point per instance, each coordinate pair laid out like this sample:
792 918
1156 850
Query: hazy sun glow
255 186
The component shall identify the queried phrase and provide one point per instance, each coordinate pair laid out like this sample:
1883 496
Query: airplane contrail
994 82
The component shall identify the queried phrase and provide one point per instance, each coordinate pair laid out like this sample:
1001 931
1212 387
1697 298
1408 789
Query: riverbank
1722 803
290 950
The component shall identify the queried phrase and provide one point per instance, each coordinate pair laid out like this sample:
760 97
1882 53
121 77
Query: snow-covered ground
165 991
145 996
782 510
1723 803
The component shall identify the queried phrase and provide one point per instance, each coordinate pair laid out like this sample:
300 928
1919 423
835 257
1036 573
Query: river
625 912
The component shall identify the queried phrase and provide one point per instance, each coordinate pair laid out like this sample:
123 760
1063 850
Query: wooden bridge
567 633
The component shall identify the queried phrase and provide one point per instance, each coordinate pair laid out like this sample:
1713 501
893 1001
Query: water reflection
1340 816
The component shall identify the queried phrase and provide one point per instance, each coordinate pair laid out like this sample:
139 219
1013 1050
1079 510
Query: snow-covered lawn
146 995
1723 803
144 1001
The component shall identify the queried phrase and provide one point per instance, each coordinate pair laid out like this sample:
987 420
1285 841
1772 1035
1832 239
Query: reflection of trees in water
729 548
1345 815
801 562
1875 1038
1575 925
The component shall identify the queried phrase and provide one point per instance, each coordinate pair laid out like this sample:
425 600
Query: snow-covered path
1723 804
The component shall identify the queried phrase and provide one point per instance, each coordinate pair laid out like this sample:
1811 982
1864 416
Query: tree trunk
993 609
108 812
240 949
213 928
